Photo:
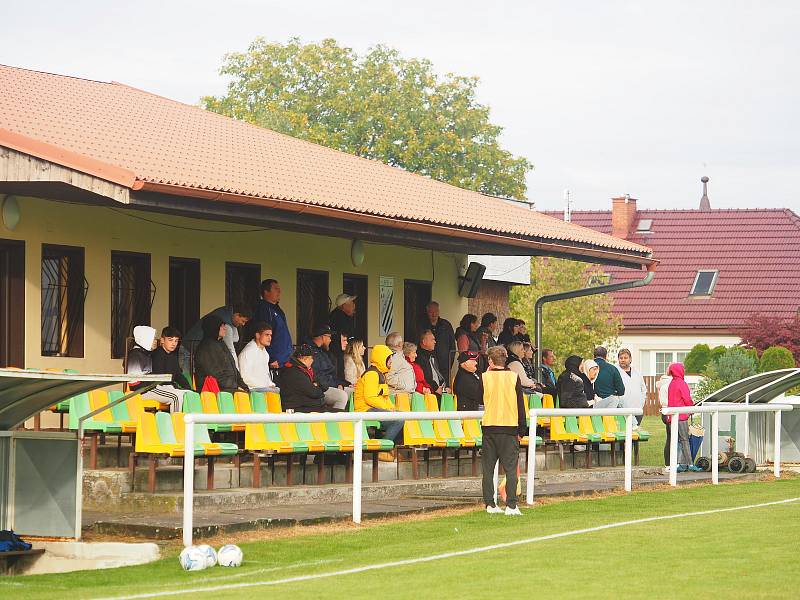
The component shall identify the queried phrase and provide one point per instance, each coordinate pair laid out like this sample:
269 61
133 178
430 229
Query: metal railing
715 409
357 419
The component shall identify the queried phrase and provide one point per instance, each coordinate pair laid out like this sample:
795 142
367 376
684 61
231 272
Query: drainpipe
587 291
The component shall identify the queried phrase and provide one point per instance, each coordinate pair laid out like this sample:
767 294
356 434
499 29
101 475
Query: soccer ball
211 555
230 556
193 559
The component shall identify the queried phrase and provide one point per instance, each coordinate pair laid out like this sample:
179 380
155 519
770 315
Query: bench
9 559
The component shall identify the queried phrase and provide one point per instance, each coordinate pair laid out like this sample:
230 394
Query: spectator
372 395
467 338
522 332
571 384
527 360
140 361
445 337
427 359
635 389
662 385
165 360
269 311
514 363
510 331
467 383
233 317
410 353
608 387
354 361
400 377
254 360
213 358
342 318
589 371
299 390
547 372
324 367
678 394
489 329
503 425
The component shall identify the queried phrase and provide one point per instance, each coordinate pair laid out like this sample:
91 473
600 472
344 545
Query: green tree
379 105
572 326
728 367
697 359
775 358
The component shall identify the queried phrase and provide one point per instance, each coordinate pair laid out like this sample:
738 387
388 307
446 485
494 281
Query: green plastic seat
426 426
597 423
192 403
305 435
273 434
259 402
167 434
571 426
643 435
226 404
79 406
201 437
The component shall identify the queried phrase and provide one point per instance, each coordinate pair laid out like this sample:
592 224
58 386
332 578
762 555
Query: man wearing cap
299 390
467 384
342 318
324 367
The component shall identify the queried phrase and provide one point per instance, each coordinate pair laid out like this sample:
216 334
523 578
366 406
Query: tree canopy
379 105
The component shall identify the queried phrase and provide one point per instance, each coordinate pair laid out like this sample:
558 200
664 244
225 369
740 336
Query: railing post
628 452
358 443
777 457
715 447
673 450
188 481
531 470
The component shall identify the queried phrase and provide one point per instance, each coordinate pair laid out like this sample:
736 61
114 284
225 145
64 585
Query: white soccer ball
193 559
210 553
230 555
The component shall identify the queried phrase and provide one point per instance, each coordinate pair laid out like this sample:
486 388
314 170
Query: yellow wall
100 230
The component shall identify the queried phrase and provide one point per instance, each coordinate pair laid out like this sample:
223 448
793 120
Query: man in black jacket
445 337
165 360
324 366
467 384
212 358
299 390
428 361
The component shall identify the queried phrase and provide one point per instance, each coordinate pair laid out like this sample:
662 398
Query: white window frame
710 288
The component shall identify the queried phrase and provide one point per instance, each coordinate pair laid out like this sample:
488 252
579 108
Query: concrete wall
100 230
645 346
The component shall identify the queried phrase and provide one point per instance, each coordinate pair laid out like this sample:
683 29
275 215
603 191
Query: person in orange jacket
372 393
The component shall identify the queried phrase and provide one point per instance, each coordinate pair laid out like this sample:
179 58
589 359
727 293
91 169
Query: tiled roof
756 251
163 142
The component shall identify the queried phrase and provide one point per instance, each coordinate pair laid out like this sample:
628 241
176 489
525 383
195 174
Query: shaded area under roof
762 388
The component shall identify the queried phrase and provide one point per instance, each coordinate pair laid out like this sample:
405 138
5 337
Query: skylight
644 225
704 283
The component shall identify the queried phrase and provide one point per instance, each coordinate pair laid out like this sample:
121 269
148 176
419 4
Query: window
704 283
64 290
242 284
184 292
132 294
665 358
12 303
681 356
356 285
644 226
313 304
416 295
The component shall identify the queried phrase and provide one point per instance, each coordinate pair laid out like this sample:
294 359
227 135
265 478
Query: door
132 295
184 292
242 284
12 303
356 285
416 295
313 304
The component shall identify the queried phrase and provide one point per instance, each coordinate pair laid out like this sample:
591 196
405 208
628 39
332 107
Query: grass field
740 554
651 453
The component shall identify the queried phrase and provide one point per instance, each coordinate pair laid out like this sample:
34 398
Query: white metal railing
358 418
715 408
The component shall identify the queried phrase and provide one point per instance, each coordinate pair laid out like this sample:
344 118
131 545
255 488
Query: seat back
200 430
78 406
98 399
585 425
254 435
431 403
242 402
226 404
472 428
535 401
597 424
418 404
147 434
192 403
441 427
547 401
571 425
258 402
304 433
273 433
289 432
273 402
558 430
166 431
320 432
121 412
333 431
610 424
209 402
402 402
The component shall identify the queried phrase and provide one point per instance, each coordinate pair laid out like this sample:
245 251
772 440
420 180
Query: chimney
623 216
705 203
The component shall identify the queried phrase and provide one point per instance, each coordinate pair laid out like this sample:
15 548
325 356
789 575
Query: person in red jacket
410 352
679 395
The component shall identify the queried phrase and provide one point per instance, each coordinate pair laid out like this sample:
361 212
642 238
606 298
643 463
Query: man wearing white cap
342 318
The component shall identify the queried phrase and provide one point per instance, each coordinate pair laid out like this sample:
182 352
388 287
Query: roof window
704 283
644 226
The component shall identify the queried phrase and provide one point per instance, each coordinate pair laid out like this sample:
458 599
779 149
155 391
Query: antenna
567 206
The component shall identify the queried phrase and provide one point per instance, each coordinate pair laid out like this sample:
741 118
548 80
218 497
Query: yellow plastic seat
348 434
610 423
320 432
273 402
242 403
559 433
148 438
289 433
586 427
255 439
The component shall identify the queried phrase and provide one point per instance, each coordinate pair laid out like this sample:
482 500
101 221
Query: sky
604 98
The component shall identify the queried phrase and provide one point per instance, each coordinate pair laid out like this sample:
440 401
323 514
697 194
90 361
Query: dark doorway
416 294
184 292
242 284
132 295
64 289
12 303
356 285
313 304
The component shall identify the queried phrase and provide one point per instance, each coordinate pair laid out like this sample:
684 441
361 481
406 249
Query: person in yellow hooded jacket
372 392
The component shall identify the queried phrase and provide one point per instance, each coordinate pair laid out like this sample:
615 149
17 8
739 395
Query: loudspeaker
471 281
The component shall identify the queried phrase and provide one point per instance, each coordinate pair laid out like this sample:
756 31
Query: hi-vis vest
500 399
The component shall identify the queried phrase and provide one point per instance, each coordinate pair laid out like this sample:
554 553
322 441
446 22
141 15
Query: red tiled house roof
756 251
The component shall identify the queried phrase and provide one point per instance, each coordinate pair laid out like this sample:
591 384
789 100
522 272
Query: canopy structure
761 388
24 393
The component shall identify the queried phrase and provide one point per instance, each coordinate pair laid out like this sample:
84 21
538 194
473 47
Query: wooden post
375 466
209 473
151 474
93 452
321 469
132 467
256 470
289 469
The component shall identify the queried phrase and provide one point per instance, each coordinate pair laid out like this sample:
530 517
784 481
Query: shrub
732 364
697 359
775 358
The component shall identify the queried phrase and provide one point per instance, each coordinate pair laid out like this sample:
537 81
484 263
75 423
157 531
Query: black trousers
505 448
666 443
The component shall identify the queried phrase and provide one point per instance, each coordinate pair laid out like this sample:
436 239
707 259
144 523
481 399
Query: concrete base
62 557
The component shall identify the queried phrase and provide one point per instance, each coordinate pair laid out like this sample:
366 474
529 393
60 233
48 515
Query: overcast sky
604 97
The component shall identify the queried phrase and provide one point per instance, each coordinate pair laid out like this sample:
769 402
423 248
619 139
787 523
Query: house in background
717 267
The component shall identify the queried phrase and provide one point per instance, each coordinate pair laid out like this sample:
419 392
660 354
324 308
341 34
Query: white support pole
715 448
745 448
358 443
673 450
531 470
628 452
777 457
188 482
496 480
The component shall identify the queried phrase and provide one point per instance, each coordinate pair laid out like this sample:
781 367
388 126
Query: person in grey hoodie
400 377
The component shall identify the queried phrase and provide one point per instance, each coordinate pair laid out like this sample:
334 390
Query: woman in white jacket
662 385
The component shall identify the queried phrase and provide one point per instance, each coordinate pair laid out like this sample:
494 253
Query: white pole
628 452
188 481
358 441
715 448
673 450
496 480
531 470
746 445
777 457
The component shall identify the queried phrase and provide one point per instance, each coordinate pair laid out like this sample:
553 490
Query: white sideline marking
422 559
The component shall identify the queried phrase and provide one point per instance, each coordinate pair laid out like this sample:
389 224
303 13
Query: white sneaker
513 512
494 510
665 470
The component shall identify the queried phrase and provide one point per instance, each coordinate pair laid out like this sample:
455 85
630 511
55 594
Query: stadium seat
205 402
536 402
242 403
227 406
258 402
266 437
273 402
641 434
290 433
613 426
419 404
202 442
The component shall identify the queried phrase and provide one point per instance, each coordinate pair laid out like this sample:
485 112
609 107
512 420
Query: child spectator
165 360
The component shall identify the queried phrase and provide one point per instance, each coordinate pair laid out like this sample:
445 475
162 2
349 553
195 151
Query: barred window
64 290
132 295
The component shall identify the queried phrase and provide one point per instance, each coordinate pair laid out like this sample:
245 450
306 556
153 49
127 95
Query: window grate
64 290
132 296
